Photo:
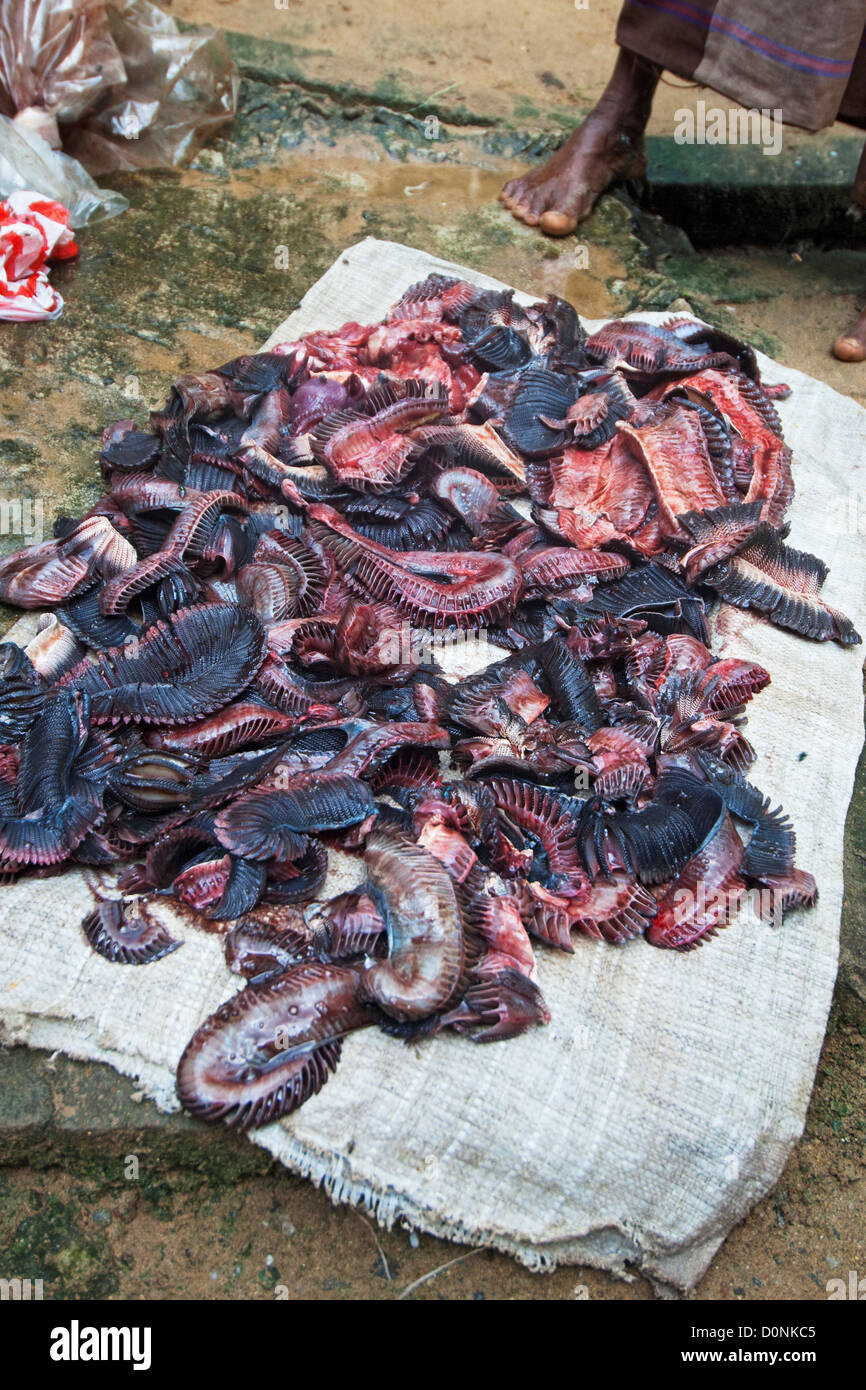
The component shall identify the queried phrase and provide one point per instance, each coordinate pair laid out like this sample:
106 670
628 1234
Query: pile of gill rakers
217 696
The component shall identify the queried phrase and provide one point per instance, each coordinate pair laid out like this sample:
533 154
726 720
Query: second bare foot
851 345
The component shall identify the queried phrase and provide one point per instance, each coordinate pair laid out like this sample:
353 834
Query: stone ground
333 143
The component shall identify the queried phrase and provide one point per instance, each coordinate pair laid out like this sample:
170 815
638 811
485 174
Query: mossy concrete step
266 61
726 194
87 1118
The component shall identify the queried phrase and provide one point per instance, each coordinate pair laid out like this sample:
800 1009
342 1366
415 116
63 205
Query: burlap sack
664 1098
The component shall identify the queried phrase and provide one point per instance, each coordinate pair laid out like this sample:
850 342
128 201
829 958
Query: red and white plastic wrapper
33 231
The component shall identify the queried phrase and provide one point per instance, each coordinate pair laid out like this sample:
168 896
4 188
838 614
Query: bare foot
607 148
851 346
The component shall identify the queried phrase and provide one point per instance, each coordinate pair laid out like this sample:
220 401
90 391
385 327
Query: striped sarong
809 60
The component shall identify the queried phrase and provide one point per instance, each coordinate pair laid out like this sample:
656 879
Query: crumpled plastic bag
118 84
33 231
28 161
56 54
179 89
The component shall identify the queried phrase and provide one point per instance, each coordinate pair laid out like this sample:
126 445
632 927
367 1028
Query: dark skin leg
606 149
851 345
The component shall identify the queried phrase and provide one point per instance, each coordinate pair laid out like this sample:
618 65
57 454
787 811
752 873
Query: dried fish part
245 670
178 671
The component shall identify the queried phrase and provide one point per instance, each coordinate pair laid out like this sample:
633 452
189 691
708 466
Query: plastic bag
126 88
179 89
57 54
28 161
